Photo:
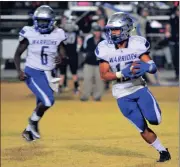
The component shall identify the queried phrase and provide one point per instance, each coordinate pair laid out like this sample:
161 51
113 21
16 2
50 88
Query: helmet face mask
44 19
118 21
43 23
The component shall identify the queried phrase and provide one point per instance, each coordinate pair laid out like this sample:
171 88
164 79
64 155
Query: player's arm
107 75
61 53
149 63
20 49
23 44
145 65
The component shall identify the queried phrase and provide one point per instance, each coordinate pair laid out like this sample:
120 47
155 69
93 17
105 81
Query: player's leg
151 111
73 63
87 84
34 119
130 110
99 85
63 70
27 134
43 92
65 84
149 106
38 84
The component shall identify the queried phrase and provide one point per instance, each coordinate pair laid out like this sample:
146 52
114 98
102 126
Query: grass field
83 134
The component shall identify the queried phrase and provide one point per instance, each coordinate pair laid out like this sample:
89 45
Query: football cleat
164 156
34 128
28 136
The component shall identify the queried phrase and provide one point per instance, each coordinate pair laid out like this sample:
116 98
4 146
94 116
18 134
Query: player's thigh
73 63
38 84
42 90
131 111
149 106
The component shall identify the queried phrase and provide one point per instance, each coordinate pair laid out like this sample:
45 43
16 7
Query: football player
71 30
136 102
44 51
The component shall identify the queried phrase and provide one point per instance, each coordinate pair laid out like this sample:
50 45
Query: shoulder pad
61 33
25 31
139 43
100 50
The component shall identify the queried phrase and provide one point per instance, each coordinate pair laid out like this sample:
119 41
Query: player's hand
21 75
127 73
142 68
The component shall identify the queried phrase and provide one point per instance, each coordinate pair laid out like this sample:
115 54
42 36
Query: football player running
136 102
44 51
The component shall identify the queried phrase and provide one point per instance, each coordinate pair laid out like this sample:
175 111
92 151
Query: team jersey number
120 66
44 56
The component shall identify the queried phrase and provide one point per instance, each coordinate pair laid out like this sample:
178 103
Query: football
132 67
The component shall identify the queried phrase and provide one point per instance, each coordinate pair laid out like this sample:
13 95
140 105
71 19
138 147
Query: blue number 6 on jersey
44 56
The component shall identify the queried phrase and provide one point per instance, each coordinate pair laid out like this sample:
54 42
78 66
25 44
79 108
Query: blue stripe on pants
149 106
131 111
38 84
139 106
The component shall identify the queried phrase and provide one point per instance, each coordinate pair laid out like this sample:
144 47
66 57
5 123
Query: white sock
28 128
158 146
34 117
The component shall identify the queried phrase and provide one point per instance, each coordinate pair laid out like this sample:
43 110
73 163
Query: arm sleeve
141 45
100 52
145 49
63 35
23 33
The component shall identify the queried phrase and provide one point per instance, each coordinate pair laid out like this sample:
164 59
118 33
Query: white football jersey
118 59
42 48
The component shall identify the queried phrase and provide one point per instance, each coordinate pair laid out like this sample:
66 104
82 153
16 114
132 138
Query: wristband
152 66
119 74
